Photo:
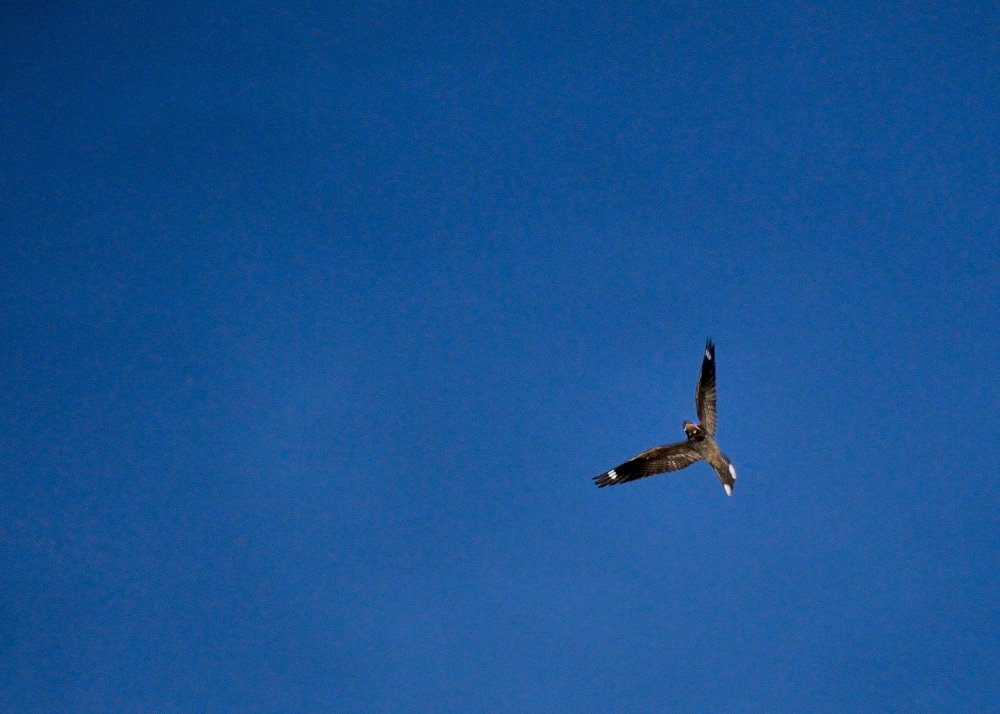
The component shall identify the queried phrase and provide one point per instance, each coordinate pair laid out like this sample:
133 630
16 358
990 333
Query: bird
699 446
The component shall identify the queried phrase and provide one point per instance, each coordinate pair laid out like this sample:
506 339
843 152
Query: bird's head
693 431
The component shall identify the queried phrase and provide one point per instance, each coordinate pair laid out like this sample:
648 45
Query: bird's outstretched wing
655 461
704 397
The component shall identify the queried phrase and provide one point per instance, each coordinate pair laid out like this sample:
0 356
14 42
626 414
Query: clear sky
318 319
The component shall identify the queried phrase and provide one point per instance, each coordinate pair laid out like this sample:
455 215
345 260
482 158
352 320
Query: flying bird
700 444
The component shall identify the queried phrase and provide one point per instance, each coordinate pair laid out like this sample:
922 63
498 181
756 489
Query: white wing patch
612 474
732 470
729 489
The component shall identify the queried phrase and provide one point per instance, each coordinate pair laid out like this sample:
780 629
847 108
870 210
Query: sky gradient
318 323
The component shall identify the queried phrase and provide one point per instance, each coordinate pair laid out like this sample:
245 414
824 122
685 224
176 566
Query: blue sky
318 323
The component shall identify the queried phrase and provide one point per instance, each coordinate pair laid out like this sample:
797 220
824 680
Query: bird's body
700 444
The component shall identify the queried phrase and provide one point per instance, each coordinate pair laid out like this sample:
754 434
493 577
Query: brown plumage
700 444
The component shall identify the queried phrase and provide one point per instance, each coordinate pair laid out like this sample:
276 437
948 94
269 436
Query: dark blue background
317 323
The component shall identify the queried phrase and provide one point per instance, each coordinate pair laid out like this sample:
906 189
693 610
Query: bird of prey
700 444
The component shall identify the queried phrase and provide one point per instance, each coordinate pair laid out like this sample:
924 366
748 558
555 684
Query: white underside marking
729 489
612 474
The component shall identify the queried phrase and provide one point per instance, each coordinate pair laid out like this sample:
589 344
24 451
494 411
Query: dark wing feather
655 461
704 398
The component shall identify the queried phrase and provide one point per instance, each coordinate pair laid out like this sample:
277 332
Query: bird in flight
700 444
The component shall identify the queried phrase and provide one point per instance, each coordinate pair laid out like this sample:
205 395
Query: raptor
700 444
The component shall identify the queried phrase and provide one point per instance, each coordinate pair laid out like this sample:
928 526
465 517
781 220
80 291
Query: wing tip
606 479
